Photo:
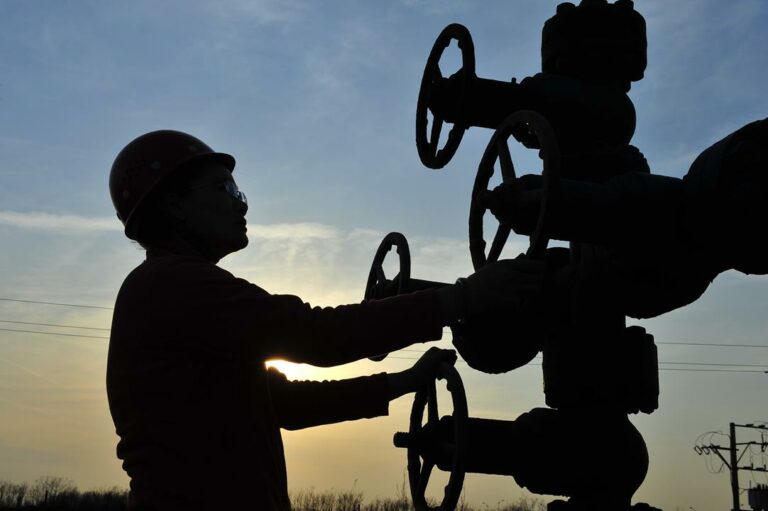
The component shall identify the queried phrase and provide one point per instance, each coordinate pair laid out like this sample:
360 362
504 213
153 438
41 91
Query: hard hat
146 161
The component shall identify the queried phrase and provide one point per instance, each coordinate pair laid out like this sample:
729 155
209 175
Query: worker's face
213 217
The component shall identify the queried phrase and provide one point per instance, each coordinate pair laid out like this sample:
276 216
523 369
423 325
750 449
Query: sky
317 100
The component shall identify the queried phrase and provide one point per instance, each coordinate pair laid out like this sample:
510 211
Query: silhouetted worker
197 411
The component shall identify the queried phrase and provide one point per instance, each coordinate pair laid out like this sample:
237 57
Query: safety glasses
228 186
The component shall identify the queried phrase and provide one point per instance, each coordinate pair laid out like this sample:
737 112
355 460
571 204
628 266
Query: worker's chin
233 245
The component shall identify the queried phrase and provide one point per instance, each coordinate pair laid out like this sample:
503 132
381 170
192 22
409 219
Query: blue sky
316 100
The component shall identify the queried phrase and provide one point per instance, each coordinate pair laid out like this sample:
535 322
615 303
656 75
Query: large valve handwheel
429 153
498 149
377 277
418 473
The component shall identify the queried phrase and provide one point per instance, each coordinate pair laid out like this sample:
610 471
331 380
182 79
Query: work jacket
197 411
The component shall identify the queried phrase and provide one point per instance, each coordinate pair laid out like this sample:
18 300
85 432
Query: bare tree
46 489
13 495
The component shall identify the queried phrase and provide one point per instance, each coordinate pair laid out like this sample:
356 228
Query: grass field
57 493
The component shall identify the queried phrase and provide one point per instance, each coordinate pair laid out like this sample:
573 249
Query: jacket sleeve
239 317
303 404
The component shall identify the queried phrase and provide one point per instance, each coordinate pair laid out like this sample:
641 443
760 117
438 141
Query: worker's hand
425 369
516 203
421 374
498 286
385 289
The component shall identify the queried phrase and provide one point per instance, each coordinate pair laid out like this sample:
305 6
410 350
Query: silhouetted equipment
377 276
760 494
447 451
533 440
378 286
590 55
758 497
476 339
595 41
639 245
498 150
430 155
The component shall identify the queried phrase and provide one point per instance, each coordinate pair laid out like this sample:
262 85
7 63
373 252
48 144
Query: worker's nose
241 207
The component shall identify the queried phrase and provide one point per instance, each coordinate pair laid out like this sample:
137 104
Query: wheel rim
418 473
497 149
376 274
429 154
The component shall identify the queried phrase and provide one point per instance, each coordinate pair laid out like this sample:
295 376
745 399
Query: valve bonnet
595 40
486 344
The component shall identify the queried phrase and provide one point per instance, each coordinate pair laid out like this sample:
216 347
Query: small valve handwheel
418 473
429 153
498 149
376 276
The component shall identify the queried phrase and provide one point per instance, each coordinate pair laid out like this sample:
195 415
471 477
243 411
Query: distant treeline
57 493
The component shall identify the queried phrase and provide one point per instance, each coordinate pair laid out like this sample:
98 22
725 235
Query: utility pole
735 457
734 470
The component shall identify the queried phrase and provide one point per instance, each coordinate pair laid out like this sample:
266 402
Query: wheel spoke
426 471
437 74
502 233
505 159
437 127
380 277
432 413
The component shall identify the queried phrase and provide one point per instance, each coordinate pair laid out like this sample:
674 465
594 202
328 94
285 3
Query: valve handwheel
498 149
377 277
429 154
418 473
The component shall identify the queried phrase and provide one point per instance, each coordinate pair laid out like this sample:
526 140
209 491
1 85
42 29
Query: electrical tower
733 456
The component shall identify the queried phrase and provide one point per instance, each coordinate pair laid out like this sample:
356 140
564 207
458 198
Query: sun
291 370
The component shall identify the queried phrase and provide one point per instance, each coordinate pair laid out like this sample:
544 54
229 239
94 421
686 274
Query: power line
660 369
462 362
445 329
51 324
764 366
53 333
711 370
404 350
660 362
714 344
685 343
56 303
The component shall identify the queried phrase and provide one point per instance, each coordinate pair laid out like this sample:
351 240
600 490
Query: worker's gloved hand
421 374
516 203
425 369
501 285
385 289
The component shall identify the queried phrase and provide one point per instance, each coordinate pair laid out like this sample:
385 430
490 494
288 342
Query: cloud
38 220
303 231
338 70
58 222
438 7
323 261
265 12
30 372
